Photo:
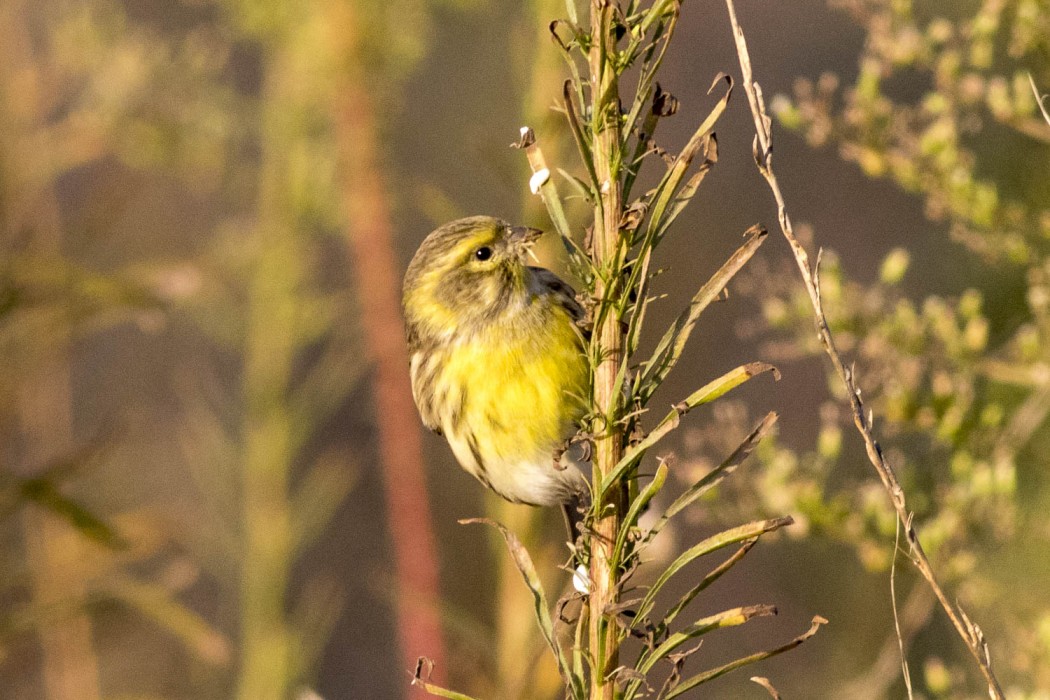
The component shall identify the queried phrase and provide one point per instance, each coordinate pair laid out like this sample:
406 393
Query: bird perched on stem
498 358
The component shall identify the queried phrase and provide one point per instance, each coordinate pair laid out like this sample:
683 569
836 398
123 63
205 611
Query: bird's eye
483 253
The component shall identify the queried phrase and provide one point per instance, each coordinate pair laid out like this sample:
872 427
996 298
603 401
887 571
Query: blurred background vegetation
210 484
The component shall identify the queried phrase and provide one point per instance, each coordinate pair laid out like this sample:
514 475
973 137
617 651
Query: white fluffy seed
539 179
580 581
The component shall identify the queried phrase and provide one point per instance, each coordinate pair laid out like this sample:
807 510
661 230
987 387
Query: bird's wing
563 294
422 375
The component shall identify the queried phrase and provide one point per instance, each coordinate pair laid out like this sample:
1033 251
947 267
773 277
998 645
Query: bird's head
469 270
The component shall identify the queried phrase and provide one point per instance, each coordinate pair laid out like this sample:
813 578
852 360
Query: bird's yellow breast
519 397
508 396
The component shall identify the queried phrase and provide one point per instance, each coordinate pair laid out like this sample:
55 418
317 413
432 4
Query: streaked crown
468 271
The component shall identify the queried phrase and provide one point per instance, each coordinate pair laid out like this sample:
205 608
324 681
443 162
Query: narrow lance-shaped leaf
582 190
46 494
323 489
439 692
523 562
764 682
576 128
317 609
643 147
709 392
711 544
578 649
715 390
685 195
641 305
706 581
727 618
657 12
716 475
637 505
671 345
159 605
706 676
570 9
324 387
566 52
672 179
647 76
543 185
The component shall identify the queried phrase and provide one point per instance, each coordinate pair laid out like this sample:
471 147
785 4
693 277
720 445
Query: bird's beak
522 238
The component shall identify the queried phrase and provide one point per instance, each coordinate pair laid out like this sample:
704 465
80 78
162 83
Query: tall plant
613 131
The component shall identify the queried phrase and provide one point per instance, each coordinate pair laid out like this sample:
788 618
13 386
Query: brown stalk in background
970 633
371 243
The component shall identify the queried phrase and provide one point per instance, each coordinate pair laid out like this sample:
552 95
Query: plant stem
608 337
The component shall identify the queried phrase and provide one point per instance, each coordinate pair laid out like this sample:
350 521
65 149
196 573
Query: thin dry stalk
970 633
1040 99
884 671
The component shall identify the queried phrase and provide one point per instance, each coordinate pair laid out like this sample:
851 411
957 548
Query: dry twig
763 153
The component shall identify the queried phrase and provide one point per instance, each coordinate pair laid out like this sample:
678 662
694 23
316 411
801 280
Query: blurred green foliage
960 387
225 110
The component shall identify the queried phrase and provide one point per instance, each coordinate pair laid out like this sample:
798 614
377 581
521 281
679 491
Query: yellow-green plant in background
957 376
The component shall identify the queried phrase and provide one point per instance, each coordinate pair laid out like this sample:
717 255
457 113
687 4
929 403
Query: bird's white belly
536 481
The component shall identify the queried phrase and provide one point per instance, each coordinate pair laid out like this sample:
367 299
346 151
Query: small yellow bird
497 358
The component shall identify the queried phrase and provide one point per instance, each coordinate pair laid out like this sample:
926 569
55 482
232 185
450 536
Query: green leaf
706 676
682 198
570 9
637 505
159 605
706 394
727 618
577 184
716 475
45 493
709 392
576 128
634 329
711 544
544 186
670 347
706 581
672 179
647 77
440 692
542 609
423 667
322 491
